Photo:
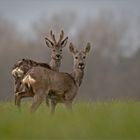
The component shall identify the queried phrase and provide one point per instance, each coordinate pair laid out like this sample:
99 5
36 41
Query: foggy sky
23 12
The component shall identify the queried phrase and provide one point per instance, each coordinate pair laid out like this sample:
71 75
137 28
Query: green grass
110 120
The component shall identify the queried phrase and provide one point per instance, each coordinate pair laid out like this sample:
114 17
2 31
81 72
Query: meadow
93 120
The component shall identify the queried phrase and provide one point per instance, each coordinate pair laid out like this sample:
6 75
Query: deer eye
84 57
53 50
52 44
61 50
76 57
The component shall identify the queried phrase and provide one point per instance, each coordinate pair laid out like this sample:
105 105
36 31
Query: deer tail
28 81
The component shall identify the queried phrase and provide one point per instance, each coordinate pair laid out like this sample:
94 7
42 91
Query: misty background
112 27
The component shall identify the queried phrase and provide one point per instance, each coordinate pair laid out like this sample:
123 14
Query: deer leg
47 101
68 105
68 100
37 100
49 95
17 101
16 88
53 106
19 96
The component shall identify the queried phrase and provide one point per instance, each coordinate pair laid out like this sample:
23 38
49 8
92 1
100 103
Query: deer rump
60 86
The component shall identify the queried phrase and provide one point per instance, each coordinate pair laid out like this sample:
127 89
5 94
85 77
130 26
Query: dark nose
81 64
58 55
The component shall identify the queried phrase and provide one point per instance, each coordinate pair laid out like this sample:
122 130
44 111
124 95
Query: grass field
110 120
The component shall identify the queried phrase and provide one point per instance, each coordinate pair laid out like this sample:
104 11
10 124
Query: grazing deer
21 67
64 86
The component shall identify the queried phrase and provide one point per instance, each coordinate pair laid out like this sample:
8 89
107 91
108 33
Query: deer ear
87 49
64 42
72 49
49 43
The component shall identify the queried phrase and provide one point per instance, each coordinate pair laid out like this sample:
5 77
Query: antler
53 36
53 40
61 36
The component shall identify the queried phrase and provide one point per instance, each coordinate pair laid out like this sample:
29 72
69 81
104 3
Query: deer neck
78 75
55 64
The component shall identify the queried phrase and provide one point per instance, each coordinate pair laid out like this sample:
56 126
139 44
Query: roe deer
21 67
64 86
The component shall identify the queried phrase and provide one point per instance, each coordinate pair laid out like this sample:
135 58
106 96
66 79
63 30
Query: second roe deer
64 86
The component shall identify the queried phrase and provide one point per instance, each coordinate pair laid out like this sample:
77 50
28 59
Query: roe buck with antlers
64 86
21 67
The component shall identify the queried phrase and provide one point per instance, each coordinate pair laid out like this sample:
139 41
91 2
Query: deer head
56 46
79 56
